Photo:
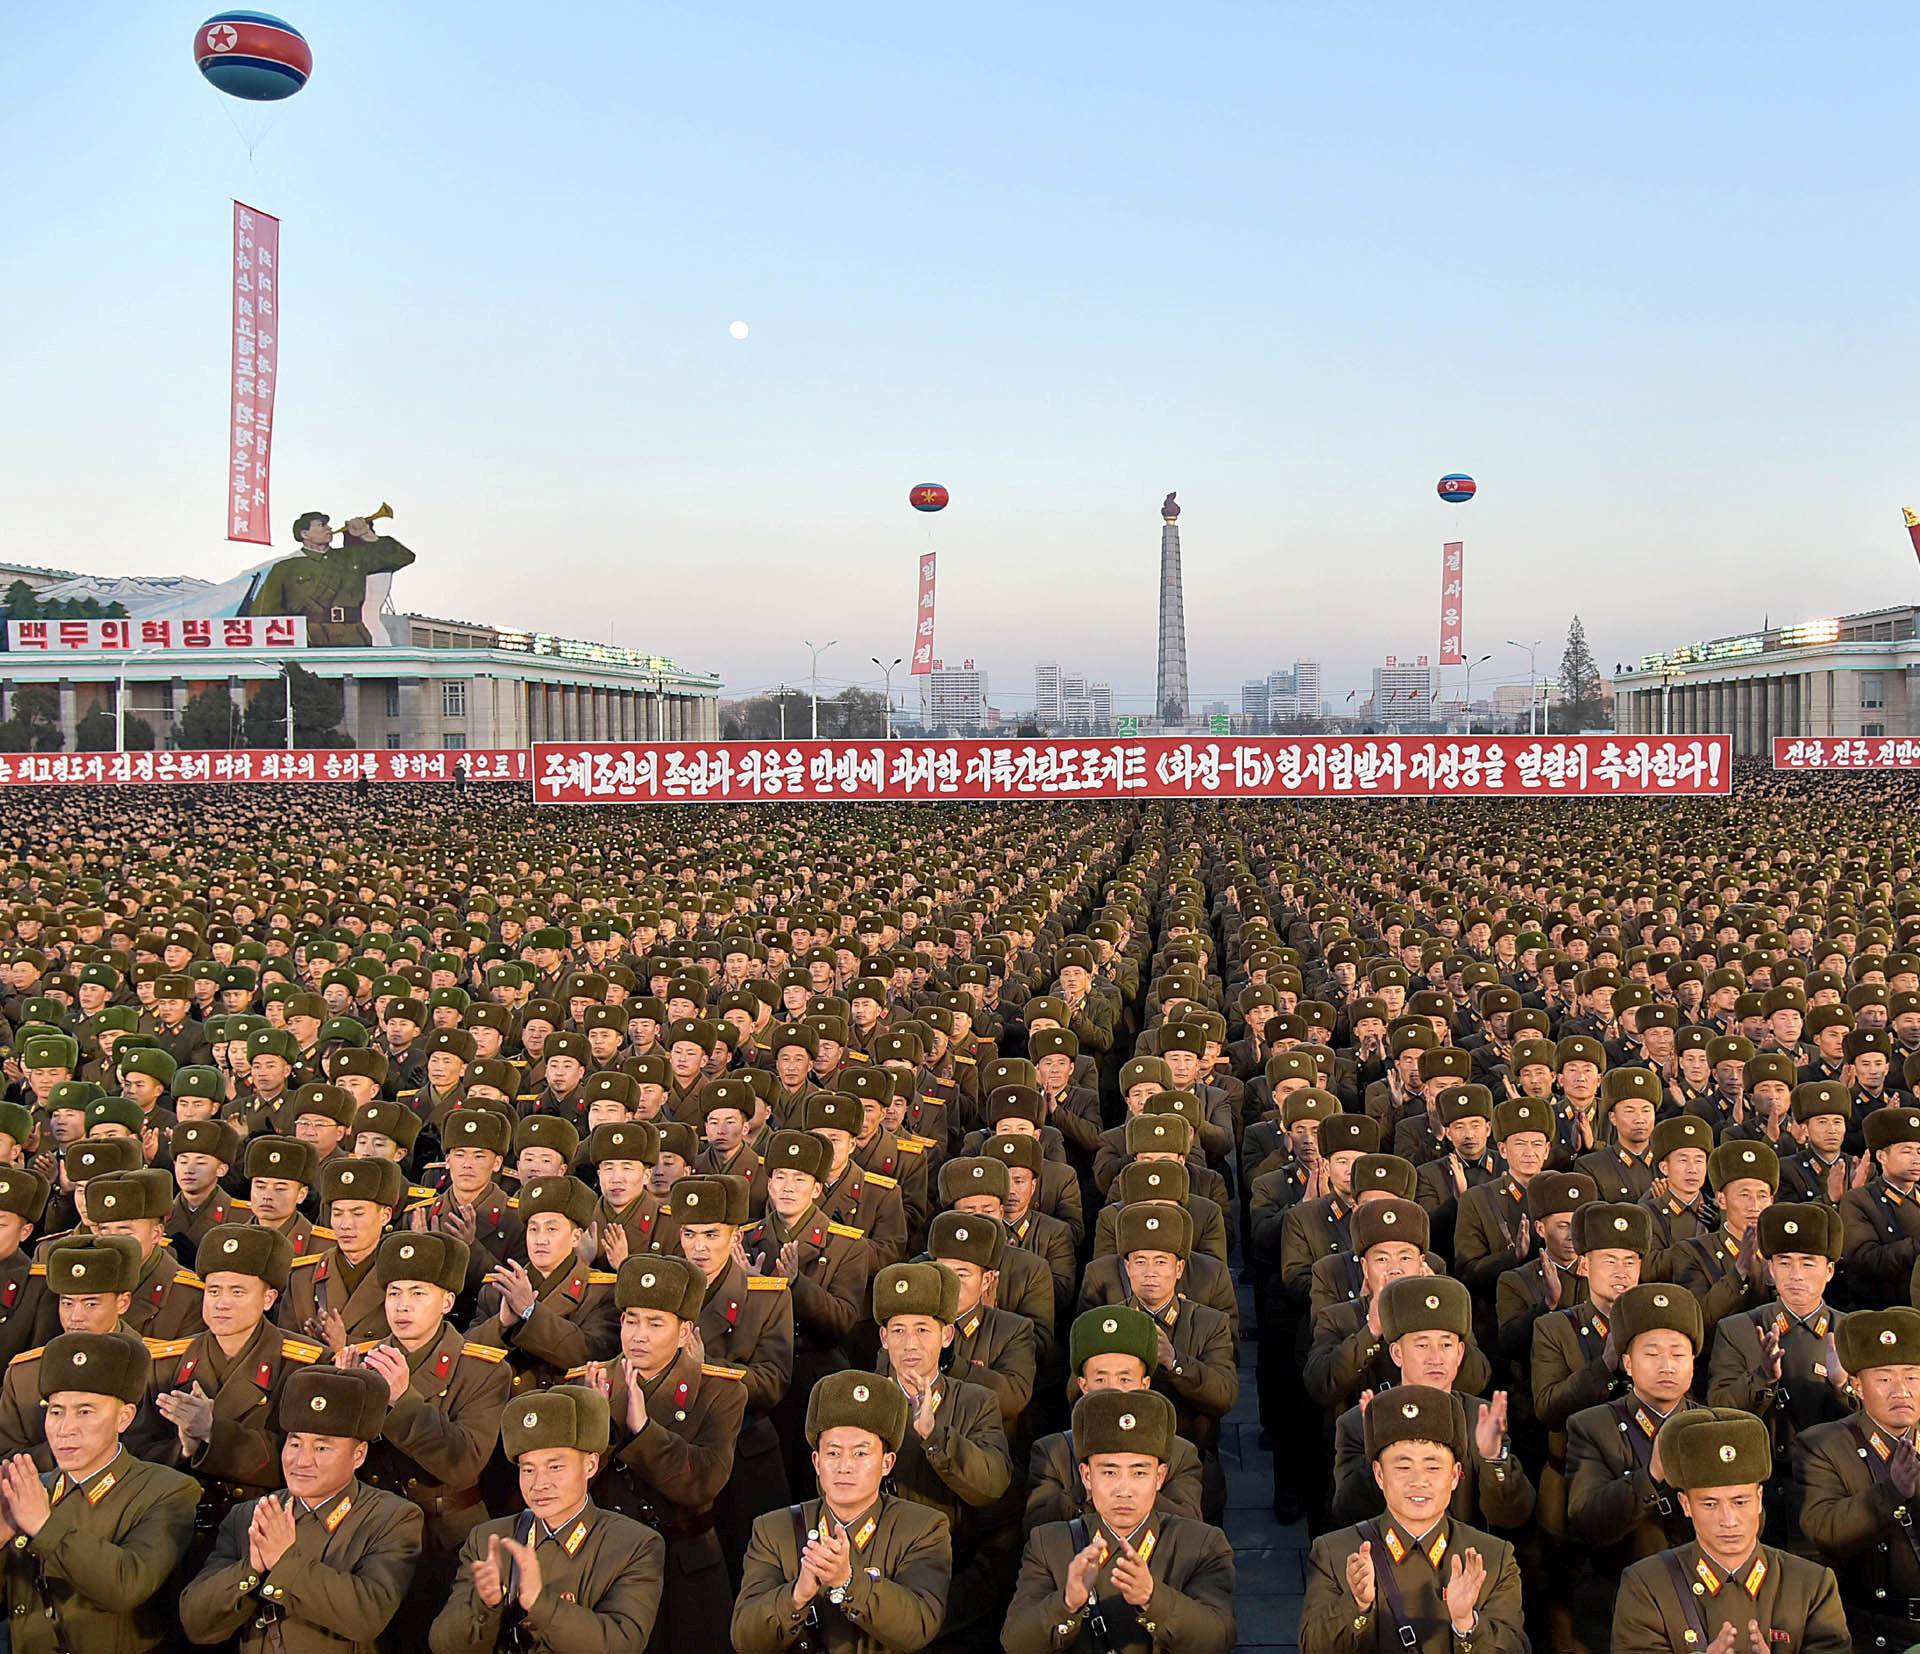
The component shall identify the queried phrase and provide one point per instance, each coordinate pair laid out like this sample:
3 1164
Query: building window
453 698
1873 729
393 743
393 698
1873 689
453 743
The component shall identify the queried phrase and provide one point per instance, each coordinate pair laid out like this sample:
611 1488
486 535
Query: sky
1645 271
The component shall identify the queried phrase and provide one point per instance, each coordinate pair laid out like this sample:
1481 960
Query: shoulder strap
811 1623
1683 1591
1388 1586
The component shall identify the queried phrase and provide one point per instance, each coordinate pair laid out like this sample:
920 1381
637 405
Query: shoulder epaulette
307 1258
37 1269
406 1091
298 1349
971 1062
423 1197
913 1145
186 1277
27 1355
858 1056
514 1202
579 1371
767 1283
162 1349
602 1277
713 1369
486 1352
323 1232
880 1182
239 1205
847 1230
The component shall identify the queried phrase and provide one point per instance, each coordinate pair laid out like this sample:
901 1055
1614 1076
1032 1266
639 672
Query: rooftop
1890 625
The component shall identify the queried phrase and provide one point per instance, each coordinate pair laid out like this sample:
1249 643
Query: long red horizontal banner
154 769
1868 752
1373 766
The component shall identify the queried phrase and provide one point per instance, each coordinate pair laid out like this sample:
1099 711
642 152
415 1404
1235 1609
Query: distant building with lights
1858 675
1403 694
953 701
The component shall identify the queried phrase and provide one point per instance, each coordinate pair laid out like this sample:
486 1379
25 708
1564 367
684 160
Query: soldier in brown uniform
473 1208
1030 1230
1678 1202
326 1565
280 1171
745 1322
26 1310
628 1218
1129 1576
990 1347
444 1400
562 1574
1882 1219
1620 1504
675 1419
1415 1579
90 1279
1723 1590
727 1105
334 1294
166 1298
859 1199
858 1570
212 1399
91 1541
826 1266
554 1312
202 1152
1856 1477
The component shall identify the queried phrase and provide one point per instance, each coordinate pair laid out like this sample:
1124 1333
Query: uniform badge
576 1539
444 1364
101 1488
263 1375
339 1514
733 1312
184 1376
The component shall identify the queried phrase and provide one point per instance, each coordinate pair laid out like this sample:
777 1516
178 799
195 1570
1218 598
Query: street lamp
1482 661
887 671
120 703
286 678
1532 649
817 653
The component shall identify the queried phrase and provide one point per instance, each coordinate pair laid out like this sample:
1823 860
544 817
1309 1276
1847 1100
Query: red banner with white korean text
1367 766
923 619
249 632
1855 752
262 765
255 373
1453 603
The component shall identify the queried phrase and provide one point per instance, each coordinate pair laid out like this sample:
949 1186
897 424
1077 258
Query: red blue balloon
927 496
252 55
1456 487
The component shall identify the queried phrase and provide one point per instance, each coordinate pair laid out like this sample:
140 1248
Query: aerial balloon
928 496
1456 487
252 55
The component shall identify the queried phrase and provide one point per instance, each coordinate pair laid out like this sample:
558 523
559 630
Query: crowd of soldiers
836 1229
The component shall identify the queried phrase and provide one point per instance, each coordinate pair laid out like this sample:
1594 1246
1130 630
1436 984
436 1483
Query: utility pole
1533 696
1482 661
888 672
780 700
817 653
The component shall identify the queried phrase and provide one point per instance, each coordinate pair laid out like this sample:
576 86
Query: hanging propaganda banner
1453 603
1857 752
923 619
1377 766
112 636
255 373
260 765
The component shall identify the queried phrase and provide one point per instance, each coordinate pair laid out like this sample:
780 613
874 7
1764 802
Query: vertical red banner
1913 528
923 619
256 372
1453 603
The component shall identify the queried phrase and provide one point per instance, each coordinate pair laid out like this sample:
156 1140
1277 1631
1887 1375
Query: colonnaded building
1857 676
415 682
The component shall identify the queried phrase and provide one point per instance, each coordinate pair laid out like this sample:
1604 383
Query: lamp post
887 672
1482 661
1532 650
286 679
818 651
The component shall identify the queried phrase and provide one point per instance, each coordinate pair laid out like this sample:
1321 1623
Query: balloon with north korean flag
1456 488
252 55
927 496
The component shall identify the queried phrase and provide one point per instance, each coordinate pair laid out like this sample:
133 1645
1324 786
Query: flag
1913 528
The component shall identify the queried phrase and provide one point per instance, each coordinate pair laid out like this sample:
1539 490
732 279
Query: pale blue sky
1646 271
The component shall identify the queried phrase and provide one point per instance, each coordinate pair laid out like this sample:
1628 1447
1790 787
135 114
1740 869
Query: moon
738 329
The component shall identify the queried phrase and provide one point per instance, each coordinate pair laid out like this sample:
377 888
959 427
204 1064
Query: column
69 713
349 708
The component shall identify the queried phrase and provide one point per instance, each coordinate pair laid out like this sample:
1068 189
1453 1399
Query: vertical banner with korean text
256 372
923 619
1453 603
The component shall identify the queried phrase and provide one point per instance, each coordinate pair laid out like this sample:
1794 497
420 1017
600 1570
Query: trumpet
372 516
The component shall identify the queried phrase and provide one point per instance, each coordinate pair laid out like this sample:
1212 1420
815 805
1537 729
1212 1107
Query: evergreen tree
207 722
1582 703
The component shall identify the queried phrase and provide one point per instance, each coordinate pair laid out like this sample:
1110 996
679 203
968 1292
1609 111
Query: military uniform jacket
241 1458
1520 1299
1622 1177
669 1473
1861 1526
1313 1229
1055 1492
901 1158
1209 1227
964 1465
649 1225
1493 1493
871 1203
601 1576
334 1590
1112 1155
1795 1600
1802 1397
1568 1366
573 1321
186 1224
166 1299
102 1561
1880 1241
1613 1502
1803 1176
1204 1381
1048 1238
744 1162
23 1413
1346 1358
1485 1228
902 1567
302 1232
746 1321
440 1434
1191 1608
830 1286
995 1349
318 1285
1708 1267
1675 1222
498 1231
28 1312
1331 1622
1105 1282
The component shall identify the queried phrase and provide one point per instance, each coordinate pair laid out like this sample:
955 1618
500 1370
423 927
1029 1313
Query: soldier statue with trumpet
327 584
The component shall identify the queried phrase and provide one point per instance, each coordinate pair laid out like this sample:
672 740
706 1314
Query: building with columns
1858 675
453 685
